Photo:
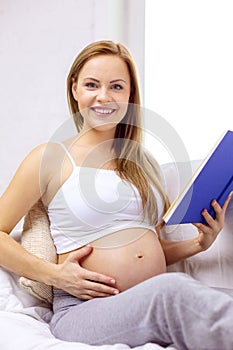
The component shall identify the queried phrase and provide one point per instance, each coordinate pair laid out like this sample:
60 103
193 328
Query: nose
103 95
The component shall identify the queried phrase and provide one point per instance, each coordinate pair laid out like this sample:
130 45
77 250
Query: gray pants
171 308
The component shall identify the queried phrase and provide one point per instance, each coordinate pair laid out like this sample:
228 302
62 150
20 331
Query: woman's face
102 91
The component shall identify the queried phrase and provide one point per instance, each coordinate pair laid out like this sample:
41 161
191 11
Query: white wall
38 42
189 70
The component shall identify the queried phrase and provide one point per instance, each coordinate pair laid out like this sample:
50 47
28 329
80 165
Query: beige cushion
36 238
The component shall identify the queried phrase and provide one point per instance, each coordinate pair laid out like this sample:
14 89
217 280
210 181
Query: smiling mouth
103 111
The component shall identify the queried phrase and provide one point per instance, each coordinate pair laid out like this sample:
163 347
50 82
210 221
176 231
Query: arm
177 251
28 185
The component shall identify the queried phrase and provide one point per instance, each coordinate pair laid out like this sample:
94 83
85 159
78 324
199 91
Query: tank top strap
68 154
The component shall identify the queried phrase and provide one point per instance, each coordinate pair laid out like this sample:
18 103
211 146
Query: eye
117 87
91 85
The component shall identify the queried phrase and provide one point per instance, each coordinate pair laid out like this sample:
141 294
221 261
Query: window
189 70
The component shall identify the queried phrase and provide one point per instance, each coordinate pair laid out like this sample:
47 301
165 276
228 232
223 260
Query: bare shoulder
45 156
48 149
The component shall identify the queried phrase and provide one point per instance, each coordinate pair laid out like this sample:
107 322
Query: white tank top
93 203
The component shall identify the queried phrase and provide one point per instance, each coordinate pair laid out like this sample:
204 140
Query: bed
24 318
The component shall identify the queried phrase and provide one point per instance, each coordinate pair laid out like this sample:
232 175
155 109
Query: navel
139 256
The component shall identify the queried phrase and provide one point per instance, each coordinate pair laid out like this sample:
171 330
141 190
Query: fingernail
112 281
116 292
231 193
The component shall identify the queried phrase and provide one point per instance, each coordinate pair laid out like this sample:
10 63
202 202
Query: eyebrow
112 81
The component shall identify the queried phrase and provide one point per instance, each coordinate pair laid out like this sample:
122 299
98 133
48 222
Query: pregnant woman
105 200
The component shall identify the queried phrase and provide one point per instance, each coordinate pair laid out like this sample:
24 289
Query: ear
74 91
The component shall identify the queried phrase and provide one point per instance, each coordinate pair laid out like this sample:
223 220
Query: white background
189 69
39 39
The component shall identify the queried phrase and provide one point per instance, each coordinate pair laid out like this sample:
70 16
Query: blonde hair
134 164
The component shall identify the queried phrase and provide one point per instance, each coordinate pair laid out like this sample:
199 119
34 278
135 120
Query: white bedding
24 319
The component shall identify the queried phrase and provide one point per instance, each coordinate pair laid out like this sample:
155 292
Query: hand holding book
208 232
212 180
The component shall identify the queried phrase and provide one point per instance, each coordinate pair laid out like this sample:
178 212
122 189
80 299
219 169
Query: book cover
212 180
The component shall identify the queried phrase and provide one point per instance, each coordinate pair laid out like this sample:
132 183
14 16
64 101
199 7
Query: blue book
212 180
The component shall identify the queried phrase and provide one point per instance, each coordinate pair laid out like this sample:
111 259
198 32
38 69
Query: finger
225 205
87 296
218 210
84 296
79 254
99 288
201 227
208 218
87 293
98 277
93 294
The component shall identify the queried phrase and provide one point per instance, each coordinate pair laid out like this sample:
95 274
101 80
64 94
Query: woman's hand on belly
80 282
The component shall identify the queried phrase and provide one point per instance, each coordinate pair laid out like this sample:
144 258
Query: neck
96 148
94 137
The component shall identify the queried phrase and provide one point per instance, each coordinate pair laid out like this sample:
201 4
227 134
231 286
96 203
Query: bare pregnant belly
129 261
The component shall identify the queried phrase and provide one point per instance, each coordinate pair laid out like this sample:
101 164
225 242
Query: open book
212 180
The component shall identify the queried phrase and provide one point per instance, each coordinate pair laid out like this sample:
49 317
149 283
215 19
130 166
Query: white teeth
103 111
